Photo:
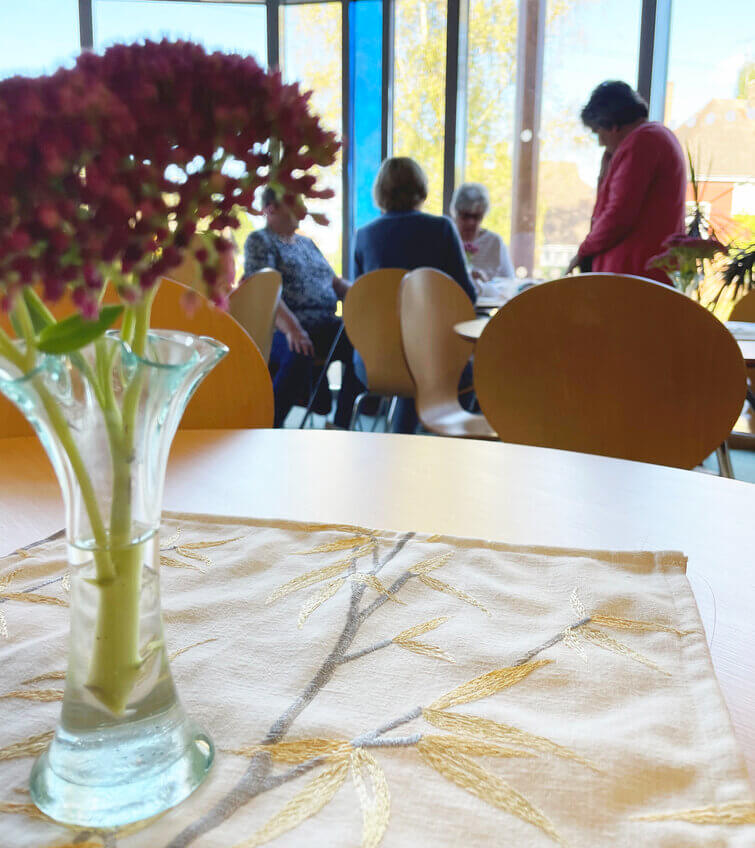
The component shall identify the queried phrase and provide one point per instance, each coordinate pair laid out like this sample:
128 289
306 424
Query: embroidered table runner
393 689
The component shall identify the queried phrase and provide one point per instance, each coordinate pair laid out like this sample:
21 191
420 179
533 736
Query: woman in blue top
404 237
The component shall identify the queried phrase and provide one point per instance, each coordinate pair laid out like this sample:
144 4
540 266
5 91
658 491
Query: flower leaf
376 811
75 332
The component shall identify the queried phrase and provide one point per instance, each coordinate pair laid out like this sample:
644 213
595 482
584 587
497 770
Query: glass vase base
124 774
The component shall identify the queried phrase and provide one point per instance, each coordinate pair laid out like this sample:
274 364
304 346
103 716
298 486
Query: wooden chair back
744 308
430 303
236 394
612 365
371 319
253 305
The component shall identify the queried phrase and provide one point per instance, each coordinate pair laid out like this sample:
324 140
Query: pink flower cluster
682 252
107 169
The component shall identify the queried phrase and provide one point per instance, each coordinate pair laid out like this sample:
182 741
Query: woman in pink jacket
641 192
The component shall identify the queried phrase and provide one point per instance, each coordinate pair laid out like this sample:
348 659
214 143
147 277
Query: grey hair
470 197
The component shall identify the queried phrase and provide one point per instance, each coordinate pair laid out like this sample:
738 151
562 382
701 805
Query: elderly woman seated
404 236
486 252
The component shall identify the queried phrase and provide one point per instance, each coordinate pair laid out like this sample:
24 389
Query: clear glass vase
124 749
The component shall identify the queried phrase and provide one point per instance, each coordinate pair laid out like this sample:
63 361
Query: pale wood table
472 330
502 492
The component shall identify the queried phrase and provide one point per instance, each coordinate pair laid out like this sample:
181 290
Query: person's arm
340 286
505 266
456 266
358 258
633 171
297 337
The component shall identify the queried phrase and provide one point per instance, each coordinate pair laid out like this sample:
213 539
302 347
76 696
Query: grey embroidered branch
255 779
392 742
357 654
552 641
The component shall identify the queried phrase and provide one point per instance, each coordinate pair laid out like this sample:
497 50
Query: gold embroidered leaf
169 541
419 629
298 750
29 747
366 542
735 812
487 684
315 795
603 640
176 563
376 811
189 647
23 809
34 695
476 780
33 598
7 579
374 583
431 563
183 550
634 625
440 586
577 604
473 747
424 649
468 725
308 579
318 599
197 546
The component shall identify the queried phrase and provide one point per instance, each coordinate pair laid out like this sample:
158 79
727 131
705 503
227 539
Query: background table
510 493
472 330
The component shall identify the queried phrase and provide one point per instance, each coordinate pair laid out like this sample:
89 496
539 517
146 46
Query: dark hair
400 185
269 197
613 104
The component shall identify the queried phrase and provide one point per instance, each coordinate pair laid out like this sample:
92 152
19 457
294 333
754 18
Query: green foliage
75 332
745 78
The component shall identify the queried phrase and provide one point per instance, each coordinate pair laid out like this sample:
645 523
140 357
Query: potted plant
105 171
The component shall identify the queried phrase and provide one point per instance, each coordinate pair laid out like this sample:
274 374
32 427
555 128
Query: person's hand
299 341
480 276
573 264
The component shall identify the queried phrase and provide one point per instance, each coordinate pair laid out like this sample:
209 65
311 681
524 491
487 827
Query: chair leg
381 407
391 414
355 409
724 461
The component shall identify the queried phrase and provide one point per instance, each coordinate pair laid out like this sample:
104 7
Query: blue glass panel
366 29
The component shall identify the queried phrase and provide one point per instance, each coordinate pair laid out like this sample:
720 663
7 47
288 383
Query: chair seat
452 420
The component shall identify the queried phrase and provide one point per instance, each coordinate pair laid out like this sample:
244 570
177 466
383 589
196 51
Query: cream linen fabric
593 717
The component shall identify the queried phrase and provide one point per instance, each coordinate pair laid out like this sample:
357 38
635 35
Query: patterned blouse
307 276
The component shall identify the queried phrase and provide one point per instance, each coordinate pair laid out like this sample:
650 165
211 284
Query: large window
230 27
710 105
586 42
419 94
491 91
38 36
311 54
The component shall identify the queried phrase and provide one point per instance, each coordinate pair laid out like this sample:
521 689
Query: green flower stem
116 663
9 351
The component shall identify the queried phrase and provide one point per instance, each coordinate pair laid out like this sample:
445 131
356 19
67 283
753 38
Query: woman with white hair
486 252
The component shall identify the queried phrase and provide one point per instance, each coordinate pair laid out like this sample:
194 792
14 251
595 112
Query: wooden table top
510 493
472 330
